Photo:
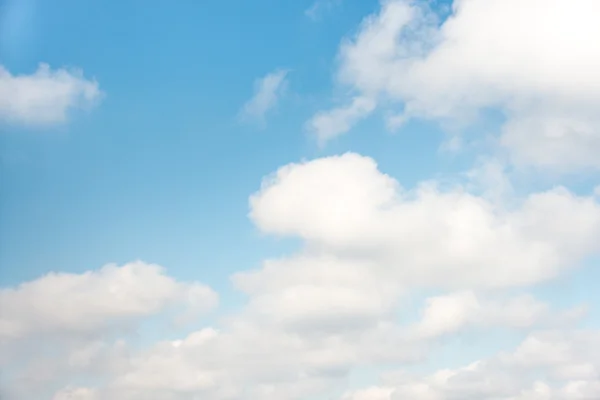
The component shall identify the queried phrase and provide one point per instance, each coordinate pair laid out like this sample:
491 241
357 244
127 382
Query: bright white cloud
267 93
543 73
85 303
45 97
426 236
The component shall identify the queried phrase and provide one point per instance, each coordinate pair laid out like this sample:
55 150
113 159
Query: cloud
426 236
318 293
450 313
61 303
253 357
327 125
316 10
267 93
45 97
542 74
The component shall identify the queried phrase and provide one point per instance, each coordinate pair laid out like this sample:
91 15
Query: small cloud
267 93
328 124
319 7
46 96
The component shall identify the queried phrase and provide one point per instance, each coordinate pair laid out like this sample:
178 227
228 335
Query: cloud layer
311 318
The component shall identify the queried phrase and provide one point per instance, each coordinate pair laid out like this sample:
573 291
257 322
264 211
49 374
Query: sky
330 200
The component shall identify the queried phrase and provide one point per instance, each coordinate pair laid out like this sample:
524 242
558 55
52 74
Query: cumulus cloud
426 236
267 93
542 74
45 97
65 303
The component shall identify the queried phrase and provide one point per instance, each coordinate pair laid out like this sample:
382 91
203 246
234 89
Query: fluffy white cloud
64 303
267 93
426 236
45 97
543 73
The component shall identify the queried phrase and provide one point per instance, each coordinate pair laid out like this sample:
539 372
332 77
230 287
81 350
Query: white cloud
267 93
85 303
327 294
45 97
448 314
426 236
543 73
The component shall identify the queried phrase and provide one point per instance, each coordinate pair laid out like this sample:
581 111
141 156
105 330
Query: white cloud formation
267 93
45 97
426 236
543 73
313 317
63 303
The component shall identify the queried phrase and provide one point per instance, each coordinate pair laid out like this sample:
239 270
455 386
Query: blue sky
437 191
162 170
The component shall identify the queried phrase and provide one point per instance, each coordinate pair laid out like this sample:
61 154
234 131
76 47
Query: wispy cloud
268 91
316 10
